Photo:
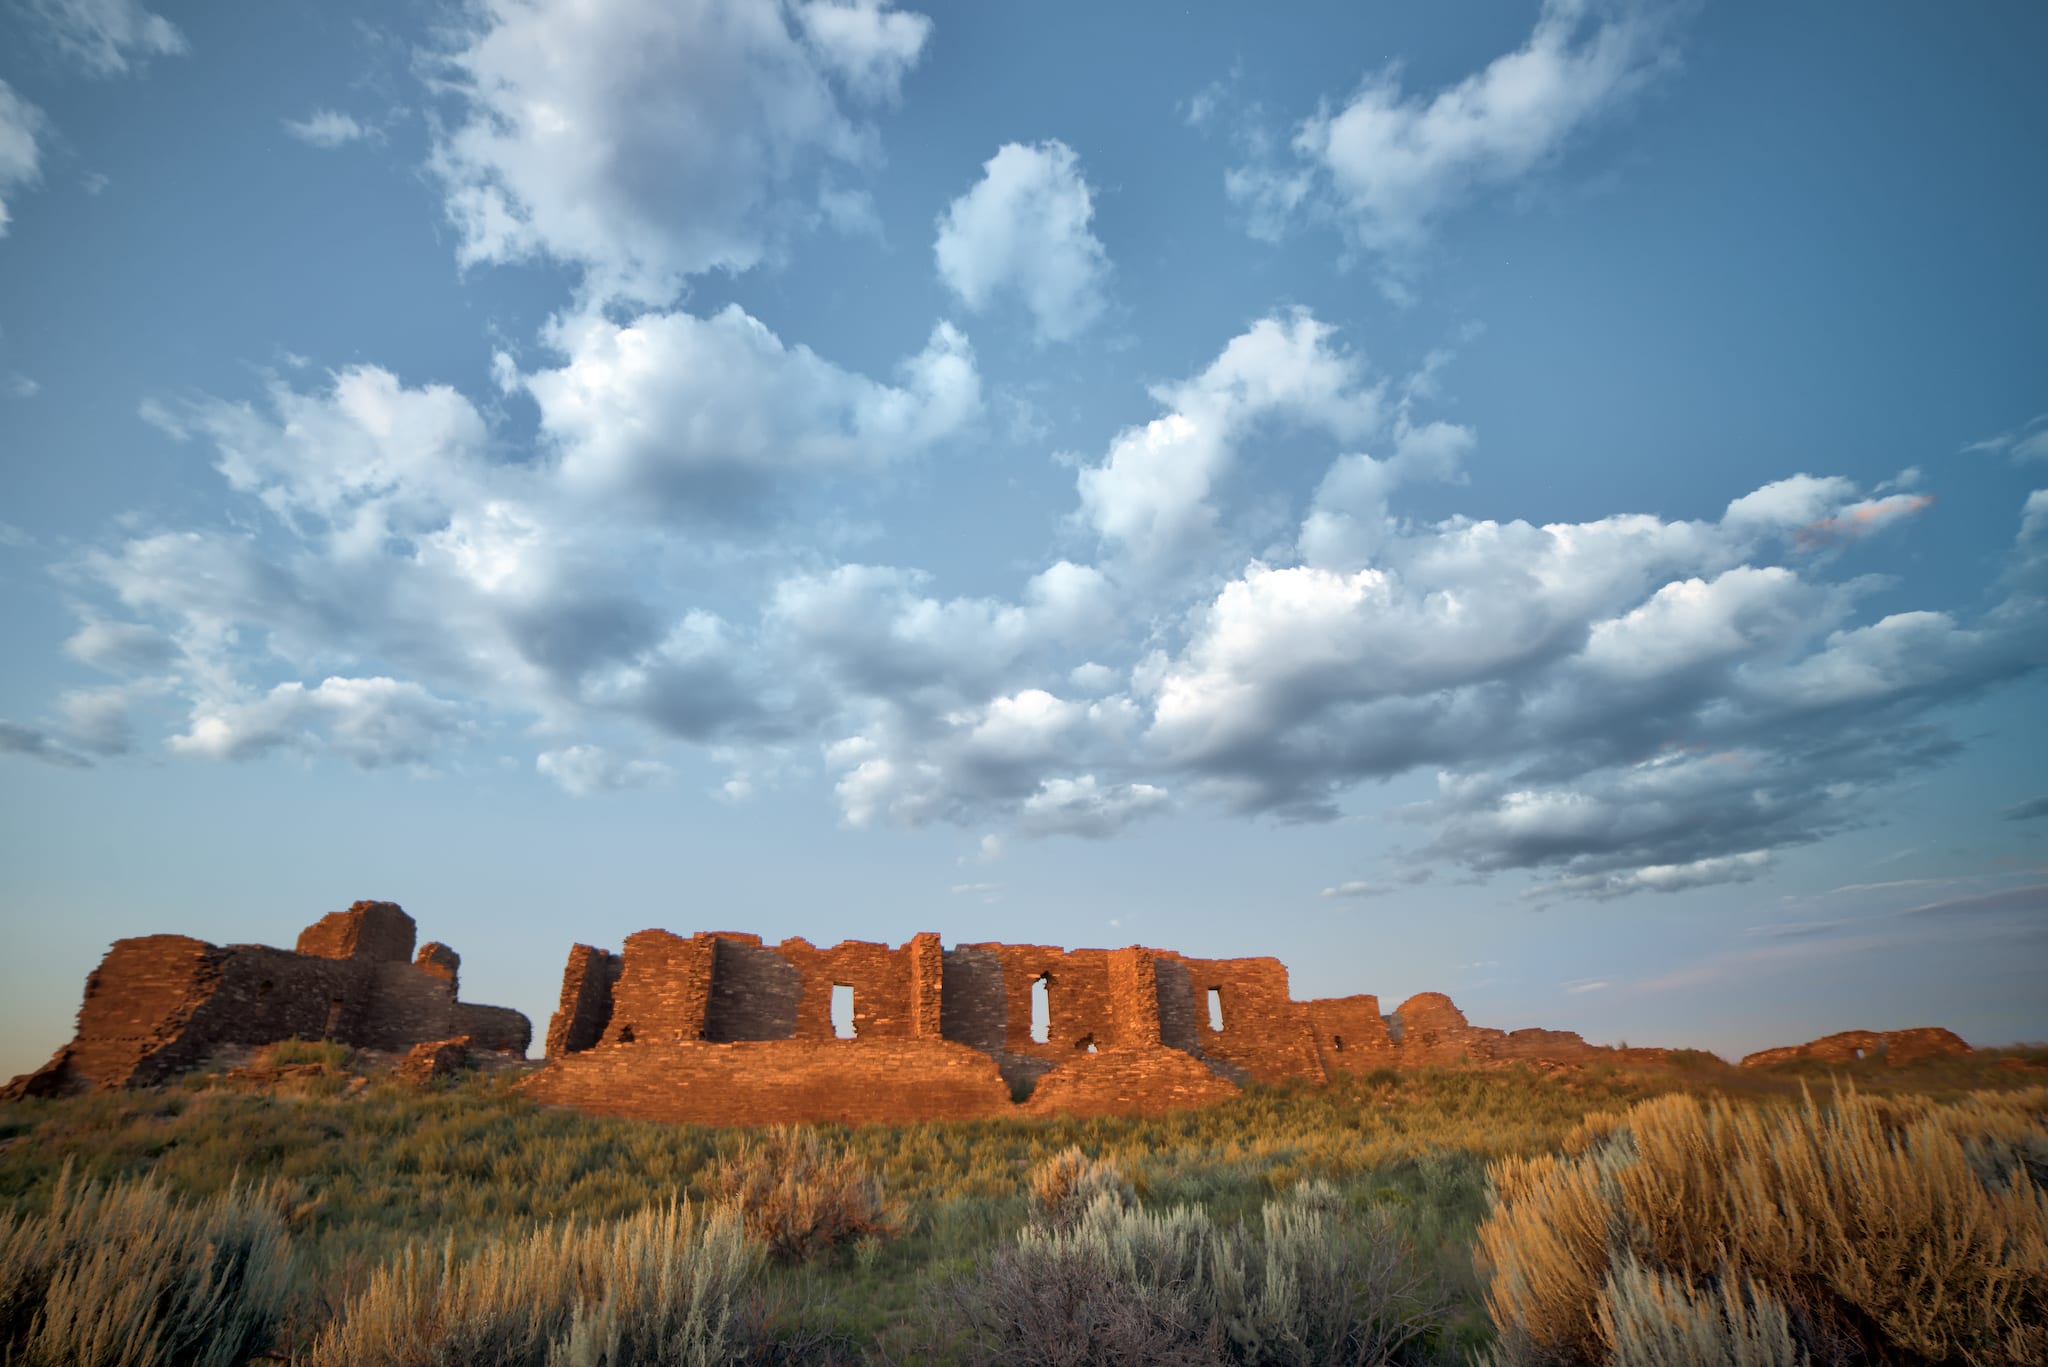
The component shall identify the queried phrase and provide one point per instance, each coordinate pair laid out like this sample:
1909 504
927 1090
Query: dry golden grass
666 1285
128 1275
1912 1229
800 1198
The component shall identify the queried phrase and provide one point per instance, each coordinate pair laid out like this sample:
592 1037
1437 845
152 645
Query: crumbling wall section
1264 1030
585 1010
1350 1034
1895 1047
380 932
160 1004
664 990
438 960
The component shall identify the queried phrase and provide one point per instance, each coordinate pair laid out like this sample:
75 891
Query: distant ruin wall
1895 1047
160 1004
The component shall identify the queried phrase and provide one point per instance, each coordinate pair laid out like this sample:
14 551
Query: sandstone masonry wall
721 1028
586 1009
159 1004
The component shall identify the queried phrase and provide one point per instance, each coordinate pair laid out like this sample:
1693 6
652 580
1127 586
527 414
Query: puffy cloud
584 770
689 411
1150 495
882 635
1629 704
371 722
1023 229
1355 890
20 158
911 768
1082 806
1394 163
643 141
870 47
368 461
326 128
105 36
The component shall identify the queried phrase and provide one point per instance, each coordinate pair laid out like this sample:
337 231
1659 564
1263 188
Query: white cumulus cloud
646 141
1023 230
681 410
371 722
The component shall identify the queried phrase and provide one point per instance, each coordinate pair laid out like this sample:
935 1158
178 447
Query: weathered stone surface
768 1082
378 931
159 1004
437 960
1129 1080
586 1007
432 1059
1895 1047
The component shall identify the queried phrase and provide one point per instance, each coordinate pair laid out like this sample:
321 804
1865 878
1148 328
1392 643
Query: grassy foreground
1291 1224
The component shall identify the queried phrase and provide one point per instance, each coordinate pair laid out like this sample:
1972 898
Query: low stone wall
1130 1080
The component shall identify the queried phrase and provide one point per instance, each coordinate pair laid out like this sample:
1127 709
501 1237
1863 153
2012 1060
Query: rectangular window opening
842 1010
1041 1009
1216 1008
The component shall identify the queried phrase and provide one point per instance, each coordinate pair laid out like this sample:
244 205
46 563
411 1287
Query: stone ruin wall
1895 1047
160 1004
719 1028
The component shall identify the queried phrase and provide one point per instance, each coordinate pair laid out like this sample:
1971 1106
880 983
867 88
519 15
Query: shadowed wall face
754 993
586 1005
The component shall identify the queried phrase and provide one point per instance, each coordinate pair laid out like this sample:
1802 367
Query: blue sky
1546 507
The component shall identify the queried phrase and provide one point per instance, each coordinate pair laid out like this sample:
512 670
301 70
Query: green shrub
800 1200
1312 1286
664 1286
128 1276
